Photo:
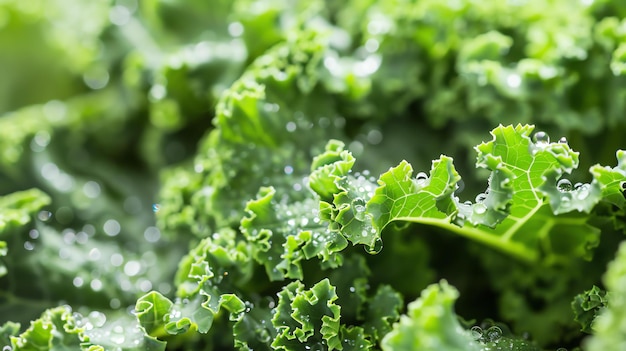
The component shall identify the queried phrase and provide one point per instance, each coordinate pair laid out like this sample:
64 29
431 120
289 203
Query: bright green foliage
17 211
431 324
588 305
515 214
216 175
609 327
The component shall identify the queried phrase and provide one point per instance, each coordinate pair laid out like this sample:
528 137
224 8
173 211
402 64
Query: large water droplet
97 318
480 209
111 227
564 185
377 248
44 215
541 138
7 348
494 333
476 332
481 198
359 212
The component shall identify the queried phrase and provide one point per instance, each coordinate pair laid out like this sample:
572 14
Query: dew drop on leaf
421 178
564 185
480 209
377 248
476 332
481 197
541 138
7 348
44 215
494 333
97 318
563 140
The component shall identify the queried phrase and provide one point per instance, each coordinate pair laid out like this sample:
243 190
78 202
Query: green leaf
55 330
519 213
587 306
610 326
7 330
430 324
282 236
17 210
344 195
307 318
151 310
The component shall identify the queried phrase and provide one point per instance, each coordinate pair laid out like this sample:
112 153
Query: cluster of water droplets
100 259
363 184
491 334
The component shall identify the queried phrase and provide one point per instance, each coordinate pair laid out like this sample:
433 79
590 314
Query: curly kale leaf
609 327
587 306
527 209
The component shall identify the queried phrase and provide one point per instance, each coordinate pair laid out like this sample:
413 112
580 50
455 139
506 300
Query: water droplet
235 29
152 234
156 208
377 248
111 227
97 318
563 140
291 127
96 285
374 136
481 197
476 332
460 186
96 77
7 348
132 268
564 185
28 246
494 333
94 254
115 303
44 215
541 138
480 209
91 189
78 282
40 141
359 212
288 170
117 259
514 80
33 234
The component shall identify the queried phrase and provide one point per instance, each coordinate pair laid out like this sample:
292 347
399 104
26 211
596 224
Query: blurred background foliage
111 107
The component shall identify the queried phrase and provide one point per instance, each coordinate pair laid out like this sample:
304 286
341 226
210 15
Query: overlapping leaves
525 210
